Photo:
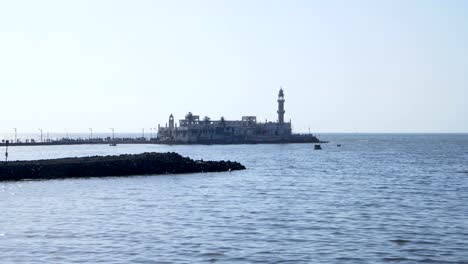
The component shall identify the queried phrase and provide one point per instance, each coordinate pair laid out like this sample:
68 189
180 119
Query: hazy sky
346 66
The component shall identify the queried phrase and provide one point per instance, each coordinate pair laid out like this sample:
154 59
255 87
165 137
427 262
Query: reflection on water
377 198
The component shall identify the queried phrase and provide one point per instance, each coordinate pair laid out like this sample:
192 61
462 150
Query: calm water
377 199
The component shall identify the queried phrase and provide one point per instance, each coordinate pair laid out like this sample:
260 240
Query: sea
377 198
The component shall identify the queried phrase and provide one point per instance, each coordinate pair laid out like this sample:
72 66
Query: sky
346 66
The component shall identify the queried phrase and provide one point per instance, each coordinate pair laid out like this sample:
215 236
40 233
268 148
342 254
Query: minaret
281 106
171 121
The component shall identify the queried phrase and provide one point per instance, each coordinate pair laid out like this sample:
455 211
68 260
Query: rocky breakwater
110 166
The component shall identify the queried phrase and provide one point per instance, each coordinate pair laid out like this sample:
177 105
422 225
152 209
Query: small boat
339 145
112 144
317 147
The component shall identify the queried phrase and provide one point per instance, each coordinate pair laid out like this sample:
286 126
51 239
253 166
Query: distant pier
81 141
141 140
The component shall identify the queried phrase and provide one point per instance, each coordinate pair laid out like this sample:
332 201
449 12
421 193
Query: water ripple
377 199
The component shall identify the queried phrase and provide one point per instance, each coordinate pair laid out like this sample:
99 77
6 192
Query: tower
281 106
171 121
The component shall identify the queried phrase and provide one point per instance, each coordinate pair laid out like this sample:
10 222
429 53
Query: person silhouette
6 150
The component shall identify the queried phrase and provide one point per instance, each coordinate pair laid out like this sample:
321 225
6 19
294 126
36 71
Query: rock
110 166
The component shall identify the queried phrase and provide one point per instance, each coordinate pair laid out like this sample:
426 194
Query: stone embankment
110 166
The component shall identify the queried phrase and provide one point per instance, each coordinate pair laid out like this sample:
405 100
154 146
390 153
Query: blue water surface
378 198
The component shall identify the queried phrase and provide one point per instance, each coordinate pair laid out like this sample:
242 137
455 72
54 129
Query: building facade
193 130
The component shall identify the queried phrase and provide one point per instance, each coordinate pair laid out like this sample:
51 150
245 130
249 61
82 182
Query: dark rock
105 166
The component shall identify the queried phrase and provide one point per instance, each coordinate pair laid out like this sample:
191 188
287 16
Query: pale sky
346 66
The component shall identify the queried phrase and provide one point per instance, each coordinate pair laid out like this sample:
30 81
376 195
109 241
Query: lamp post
40 129
112 134
16 133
